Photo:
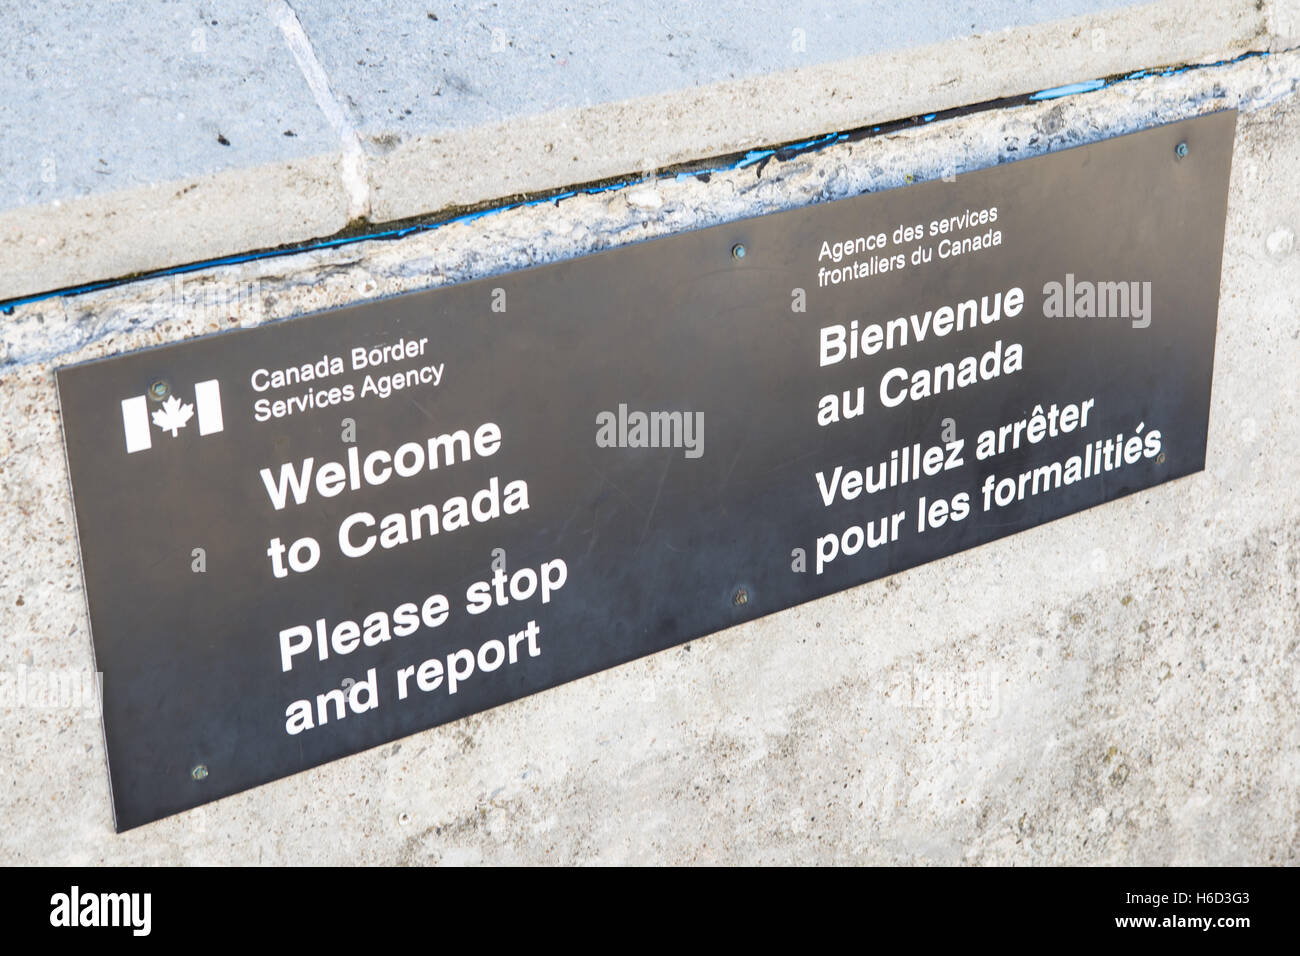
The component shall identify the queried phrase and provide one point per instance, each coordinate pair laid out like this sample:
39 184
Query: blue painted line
753 156
1088 86
1056 92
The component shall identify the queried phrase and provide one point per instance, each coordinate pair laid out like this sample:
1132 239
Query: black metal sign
309 538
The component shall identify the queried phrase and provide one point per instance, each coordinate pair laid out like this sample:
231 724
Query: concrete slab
134 135
114 95
447 65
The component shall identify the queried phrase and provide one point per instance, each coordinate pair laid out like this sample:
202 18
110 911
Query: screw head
1180 150
1160 458
200 772
158 390
742 597
738 251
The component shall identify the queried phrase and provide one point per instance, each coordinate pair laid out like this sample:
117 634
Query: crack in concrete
354 172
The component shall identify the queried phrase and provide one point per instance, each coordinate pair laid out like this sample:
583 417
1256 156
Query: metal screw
738 251
200 772
1160 458
742 597
159 390
1180 150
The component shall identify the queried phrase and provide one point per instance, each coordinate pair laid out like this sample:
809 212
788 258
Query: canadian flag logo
173 415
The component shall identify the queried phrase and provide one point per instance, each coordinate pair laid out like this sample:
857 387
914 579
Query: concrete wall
1118 686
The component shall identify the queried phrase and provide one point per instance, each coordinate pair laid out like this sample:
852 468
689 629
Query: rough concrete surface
141 135
1120 686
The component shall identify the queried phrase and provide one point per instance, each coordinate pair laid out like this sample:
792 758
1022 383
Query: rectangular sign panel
312 537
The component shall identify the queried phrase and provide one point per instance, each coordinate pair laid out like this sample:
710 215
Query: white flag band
207 396
135 421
